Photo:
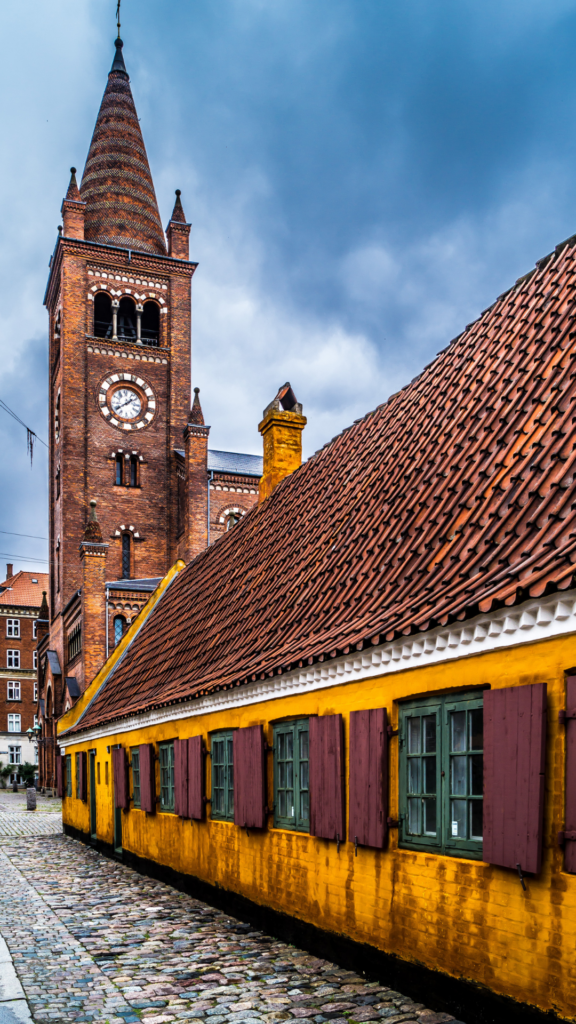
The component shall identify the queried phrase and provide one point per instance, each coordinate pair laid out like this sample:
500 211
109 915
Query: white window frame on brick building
12 659
13 628
35 629
14 691
34 660
14 723
35 697
15 754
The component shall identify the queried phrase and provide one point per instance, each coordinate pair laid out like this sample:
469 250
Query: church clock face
126 401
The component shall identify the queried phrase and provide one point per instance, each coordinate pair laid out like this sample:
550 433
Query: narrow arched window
119 627
127 319
150 323
118 471
125 556
133 471
103 315
232 519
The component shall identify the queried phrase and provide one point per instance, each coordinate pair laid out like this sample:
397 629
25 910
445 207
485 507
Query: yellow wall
463 917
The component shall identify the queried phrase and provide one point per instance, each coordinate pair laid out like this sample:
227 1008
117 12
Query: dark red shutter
120 773
514 751
59 775
147 778
83 787
181 778
249 777
327 777
368 778
196 802
570 816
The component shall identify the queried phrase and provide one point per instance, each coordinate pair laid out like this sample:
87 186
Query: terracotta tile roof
458 495
117 187
20 590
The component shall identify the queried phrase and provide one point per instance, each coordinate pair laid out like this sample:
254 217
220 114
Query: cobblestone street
92 940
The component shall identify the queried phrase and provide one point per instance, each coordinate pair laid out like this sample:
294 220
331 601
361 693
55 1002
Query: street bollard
31 799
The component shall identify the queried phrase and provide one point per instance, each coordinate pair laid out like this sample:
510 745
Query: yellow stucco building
354 717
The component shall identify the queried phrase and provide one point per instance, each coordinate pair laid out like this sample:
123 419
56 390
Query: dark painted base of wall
470 1003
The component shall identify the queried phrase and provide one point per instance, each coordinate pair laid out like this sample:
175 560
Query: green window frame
222 756
291 775
68 775
77 756
441 775
166 757
135 763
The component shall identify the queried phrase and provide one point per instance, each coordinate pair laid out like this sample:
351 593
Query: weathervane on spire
118 16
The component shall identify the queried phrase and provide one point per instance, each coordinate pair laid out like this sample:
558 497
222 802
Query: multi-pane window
291 781
118 470
35 697
75 642
13 659
125 556
14 692
13 627
35 629
14 723
34 659
78 793
135 776
68 774
166 753
441 774
119 627
15 754
222 755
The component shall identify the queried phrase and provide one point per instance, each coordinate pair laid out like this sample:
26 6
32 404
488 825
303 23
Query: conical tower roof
121 207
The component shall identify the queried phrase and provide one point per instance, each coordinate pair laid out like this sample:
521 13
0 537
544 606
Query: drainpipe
210 479
107 593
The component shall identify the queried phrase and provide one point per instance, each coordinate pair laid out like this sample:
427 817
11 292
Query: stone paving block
97 942
14 1012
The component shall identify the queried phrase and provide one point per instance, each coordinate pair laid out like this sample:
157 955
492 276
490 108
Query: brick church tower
130 471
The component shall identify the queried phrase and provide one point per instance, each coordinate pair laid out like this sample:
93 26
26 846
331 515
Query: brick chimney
9 570
196 483
281 429
93 557
73 209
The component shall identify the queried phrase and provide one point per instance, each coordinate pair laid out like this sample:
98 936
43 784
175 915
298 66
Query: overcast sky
363 178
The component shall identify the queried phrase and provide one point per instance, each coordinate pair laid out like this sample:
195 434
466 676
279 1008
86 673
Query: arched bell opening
127 319
102 315
150 329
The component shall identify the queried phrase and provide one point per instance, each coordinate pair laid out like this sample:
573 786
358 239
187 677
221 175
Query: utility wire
22 558
31 435
30 536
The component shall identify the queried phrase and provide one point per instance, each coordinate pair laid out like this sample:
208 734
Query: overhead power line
22 558
30 536
31 435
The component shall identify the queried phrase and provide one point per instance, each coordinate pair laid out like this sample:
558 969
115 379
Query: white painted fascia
535 620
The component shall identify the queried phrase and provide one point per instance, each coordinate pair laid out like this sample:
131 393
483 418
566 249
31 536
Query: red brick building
123 433
20 607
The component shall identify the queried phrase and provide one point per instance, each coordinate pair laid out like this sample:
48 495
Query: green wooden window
78 794
291 783
68 774
222 752
441 775
166 776
135 752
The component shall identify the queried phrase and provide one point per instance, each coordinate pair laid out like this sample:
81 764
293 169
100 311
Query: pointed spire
178 211
43 613
196 415
93 533
118 62
117 187
73 192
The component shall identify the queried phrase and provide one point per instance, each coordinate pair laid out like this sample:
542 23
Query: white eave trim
535 620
